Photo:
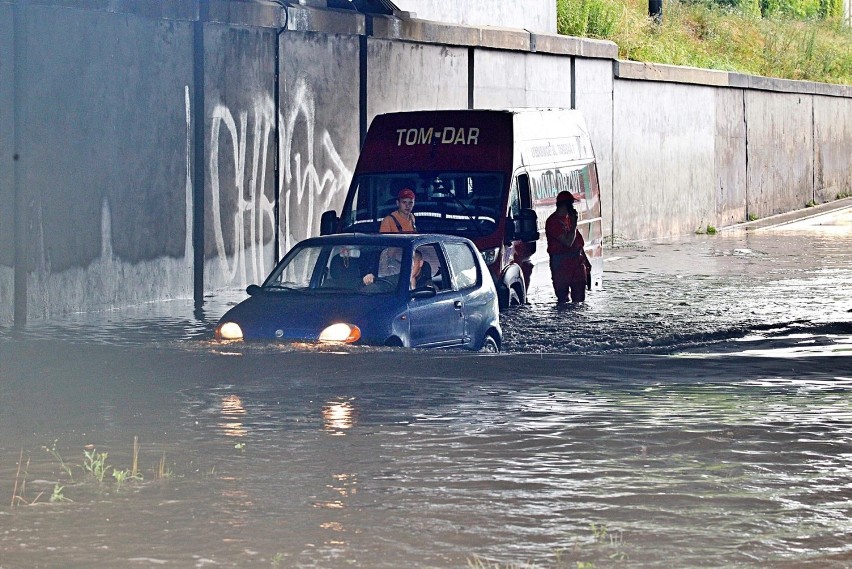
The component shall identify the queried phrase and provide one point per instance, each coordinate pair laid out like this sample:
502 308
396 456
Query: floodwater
697 412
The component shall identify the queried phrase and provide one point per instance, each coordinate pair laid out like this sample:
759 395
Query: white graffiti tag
252 211
243 208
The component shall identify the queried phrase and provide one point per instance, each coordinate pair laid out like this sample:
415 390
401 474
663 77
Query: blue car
417 291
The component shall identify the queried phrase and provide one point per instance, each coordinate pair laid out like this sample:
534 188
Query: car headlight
340 332
229 331
490 255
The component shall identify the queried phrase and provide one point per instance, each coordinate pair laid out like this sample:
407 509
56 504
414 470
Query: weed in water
95 464
20 482
120 476
277 559
55 454
163 471
58 494
134 470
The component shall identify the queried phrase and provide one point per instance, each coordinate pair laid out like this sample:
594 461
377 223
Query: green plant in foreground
709 230
810 203
752 217
122 475
95 464
58 494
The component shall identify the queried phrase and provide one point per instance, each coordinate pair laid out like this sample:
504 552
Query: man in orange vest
401 220
568 264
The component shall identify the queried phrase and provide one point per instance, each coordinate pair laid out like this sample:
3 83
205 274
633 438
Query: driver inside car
390 263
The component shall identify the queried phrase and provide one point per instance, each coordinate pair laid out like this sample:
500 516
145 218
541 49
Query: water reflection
233 414
339 416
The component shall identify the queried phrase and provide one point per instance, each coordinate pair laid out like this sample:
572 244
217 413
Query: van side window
463 264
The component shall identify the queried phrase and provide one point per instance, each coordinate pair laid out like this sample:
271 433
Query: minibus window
454 202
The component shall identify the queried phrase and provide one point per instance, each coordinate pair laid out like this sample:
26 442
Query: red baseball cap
564 196
405 193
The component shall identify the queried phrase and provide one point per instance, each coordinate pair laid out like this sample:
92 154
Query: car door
436 321
467 278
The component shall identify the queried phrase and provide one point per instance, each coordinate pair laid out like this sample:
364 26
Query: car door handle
458 305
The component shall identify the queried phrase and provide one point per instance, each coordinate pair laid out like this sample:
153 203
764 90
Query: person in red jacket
568 263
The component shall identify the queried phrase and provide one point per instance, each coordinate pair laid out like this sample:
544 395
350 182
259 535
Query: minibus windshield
456 203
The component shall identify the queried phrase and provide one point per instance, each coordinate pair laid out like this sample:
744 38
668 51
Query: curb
791 216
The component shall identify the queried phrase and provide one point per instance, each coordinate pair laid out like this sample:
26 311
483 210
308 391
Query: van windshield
456 203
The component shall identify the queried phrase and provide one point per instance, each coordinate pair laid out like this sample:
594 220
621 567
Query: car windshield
457 203
338 269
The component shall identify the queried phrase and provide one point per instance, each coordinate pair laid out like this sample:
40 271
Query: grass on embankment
715 37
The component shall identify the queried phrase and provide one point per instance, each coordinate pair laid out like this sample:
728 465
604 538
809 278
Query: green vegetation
94 465
790 39
709 230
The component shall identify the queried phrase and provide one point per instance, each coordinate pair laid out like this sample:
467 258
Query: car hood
302 316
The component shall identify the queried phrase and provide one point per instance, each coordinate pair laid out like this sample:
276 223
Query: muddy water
695 413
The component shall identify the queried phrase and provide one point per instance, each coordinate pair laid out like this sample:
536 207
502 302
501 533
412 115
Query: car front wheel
489 345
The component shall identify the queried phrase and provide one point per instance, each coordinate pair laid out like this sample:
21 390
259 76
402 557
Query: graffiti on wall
242 204
314 175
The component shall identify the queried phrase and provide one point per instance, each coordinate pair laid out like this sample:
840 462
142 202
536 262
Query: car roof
385 239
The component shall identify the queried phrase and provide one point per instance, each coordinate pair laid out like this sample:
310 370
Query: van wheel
489 345
508 296
516 297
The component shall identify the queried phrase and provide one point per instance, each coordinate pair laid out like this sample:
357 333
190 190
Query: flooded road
695 413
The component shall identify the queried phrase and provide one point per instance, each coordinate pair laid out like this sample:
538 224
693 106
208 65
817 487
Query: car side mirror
423 292
526 225
252 289
328 222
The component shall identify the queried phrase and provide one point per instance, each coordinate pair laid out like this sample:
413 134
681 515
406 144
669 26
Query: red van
489 175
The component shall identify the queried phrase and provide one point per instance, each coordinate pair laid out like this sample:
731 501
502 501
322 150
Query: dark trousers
569 278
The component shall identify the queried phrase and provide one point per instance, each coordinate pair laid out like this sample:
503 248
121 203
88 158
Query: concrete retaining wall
534 15
7 170
145 135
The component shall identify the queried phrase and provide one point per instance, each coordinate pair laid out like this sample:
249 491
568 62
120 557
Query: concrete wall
7 170
832 133
593 94
146 135
780 152
239 114
730 157
102 168
533 15
319 128
665 149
